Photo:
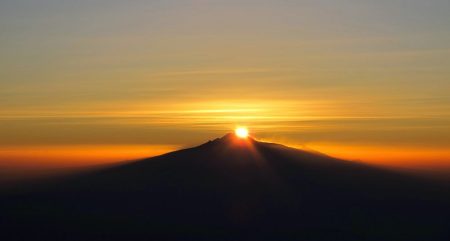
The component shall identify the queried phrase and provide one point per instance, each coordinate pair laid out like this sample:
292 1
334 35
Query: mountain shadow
230 189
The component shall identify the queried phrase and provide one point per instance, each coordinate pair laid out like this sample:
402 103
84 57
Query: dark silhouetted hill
231 189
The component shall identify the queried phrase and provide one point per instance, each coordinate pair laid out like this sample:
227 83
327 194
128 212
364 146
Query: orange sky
41 157
84 83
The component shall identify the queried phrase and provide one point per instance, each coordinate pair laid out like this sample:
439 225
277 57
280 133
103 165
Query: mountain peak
232 139
233 136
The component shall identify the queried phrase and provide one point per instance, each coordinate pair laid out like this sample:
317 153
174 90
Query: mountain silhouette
230 189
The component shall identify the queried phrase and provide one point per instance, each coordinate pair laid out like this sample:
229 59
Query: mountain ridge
233 189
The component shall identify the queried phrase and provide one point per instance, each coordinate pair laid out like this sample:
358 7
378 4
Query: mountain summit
232 188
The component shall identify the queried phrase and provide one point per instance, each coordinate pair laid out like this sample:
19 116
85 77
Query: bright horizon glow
241 132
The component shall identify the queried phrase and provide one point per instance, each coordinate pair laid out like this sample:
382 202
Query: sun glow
241 132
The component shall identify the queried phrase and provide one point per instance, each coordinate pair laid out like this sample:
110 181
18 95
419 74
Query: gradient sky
112 80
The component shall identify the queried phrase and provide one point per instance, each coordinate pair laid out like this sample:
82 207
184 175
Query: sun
241 132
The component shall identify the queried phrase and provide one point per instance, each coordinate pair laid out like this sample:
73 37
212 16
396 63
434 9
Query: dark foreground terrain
230 189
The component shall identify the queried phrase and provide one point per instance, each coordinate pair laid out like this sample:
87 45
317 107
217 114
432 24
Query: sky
98 81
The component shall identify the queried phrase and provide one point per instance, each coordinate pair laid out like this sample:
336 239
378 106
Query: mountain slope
233 189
